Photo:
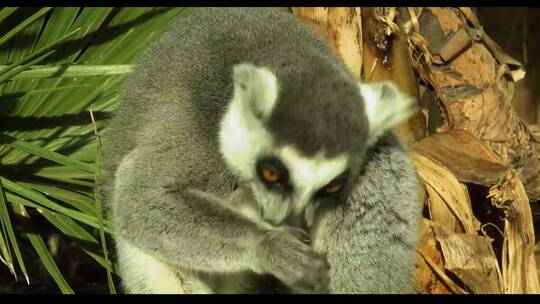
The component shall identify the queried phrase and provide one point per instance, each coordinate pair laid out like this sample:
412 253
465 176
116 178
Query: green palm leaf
70 71
10 234
55 65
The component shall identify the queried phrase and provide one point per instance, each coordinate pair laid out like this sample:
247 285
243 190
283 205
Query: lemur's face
288 184
299 141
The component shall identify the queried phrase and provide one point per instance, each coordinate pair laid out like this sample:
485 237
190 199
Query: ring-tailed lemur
240 136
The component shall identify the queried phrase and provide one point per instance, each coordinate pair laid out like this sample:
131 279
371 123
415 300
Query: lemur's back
190 67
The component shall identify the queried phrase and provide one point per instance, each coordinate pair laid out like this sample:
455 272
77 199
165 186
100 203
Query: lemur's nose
296 220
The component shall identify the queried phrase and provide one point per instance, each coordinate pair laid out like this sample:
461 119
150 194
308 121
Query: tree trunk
477 161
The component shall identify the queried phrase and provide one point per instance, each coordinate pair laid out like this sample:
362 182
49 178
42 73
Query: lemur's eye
333 188
273 174
270 175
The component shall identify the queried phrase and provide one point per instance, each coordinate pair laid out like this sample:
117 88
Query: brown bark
341 26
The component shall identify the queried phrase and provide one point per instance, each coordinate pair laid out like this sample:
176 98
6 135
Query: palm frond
55 65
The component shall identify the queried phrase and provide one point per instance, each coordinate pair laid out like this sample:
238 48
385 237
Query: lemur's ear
256 88
386 107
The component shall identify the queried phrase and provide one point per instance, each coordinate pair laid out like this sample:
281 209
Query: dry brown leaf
452 192
465 155
421 61
439 211
408 26
471 17
429 273
456 44
478 94
535 132
442 276
386 16
515 68
520 266
537 259
471 259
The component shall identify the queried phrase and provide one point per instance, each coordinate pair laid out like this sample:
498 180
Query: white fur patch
269 90
241 140
371 99
310 174
158 277
256 88
242 135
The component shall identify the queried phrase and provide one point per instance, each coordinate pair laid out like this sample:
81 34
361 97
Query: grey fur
371 240
170 193
323 99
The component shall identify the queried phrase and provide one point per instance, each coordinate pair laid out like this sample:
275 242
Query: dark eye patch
340 181
276 166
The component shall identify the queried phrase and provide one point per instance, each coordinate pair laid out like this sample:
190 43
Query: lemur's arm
197 231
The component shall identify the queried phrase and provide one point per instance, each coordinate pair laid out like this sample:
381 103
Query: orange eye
270 175
332 188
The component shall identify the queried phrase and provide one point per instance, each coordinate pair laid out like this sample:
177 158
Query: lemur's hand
282 254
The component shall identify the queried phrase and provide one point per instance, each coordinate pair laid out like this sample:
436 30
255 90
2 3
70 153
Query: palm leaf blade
10 233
